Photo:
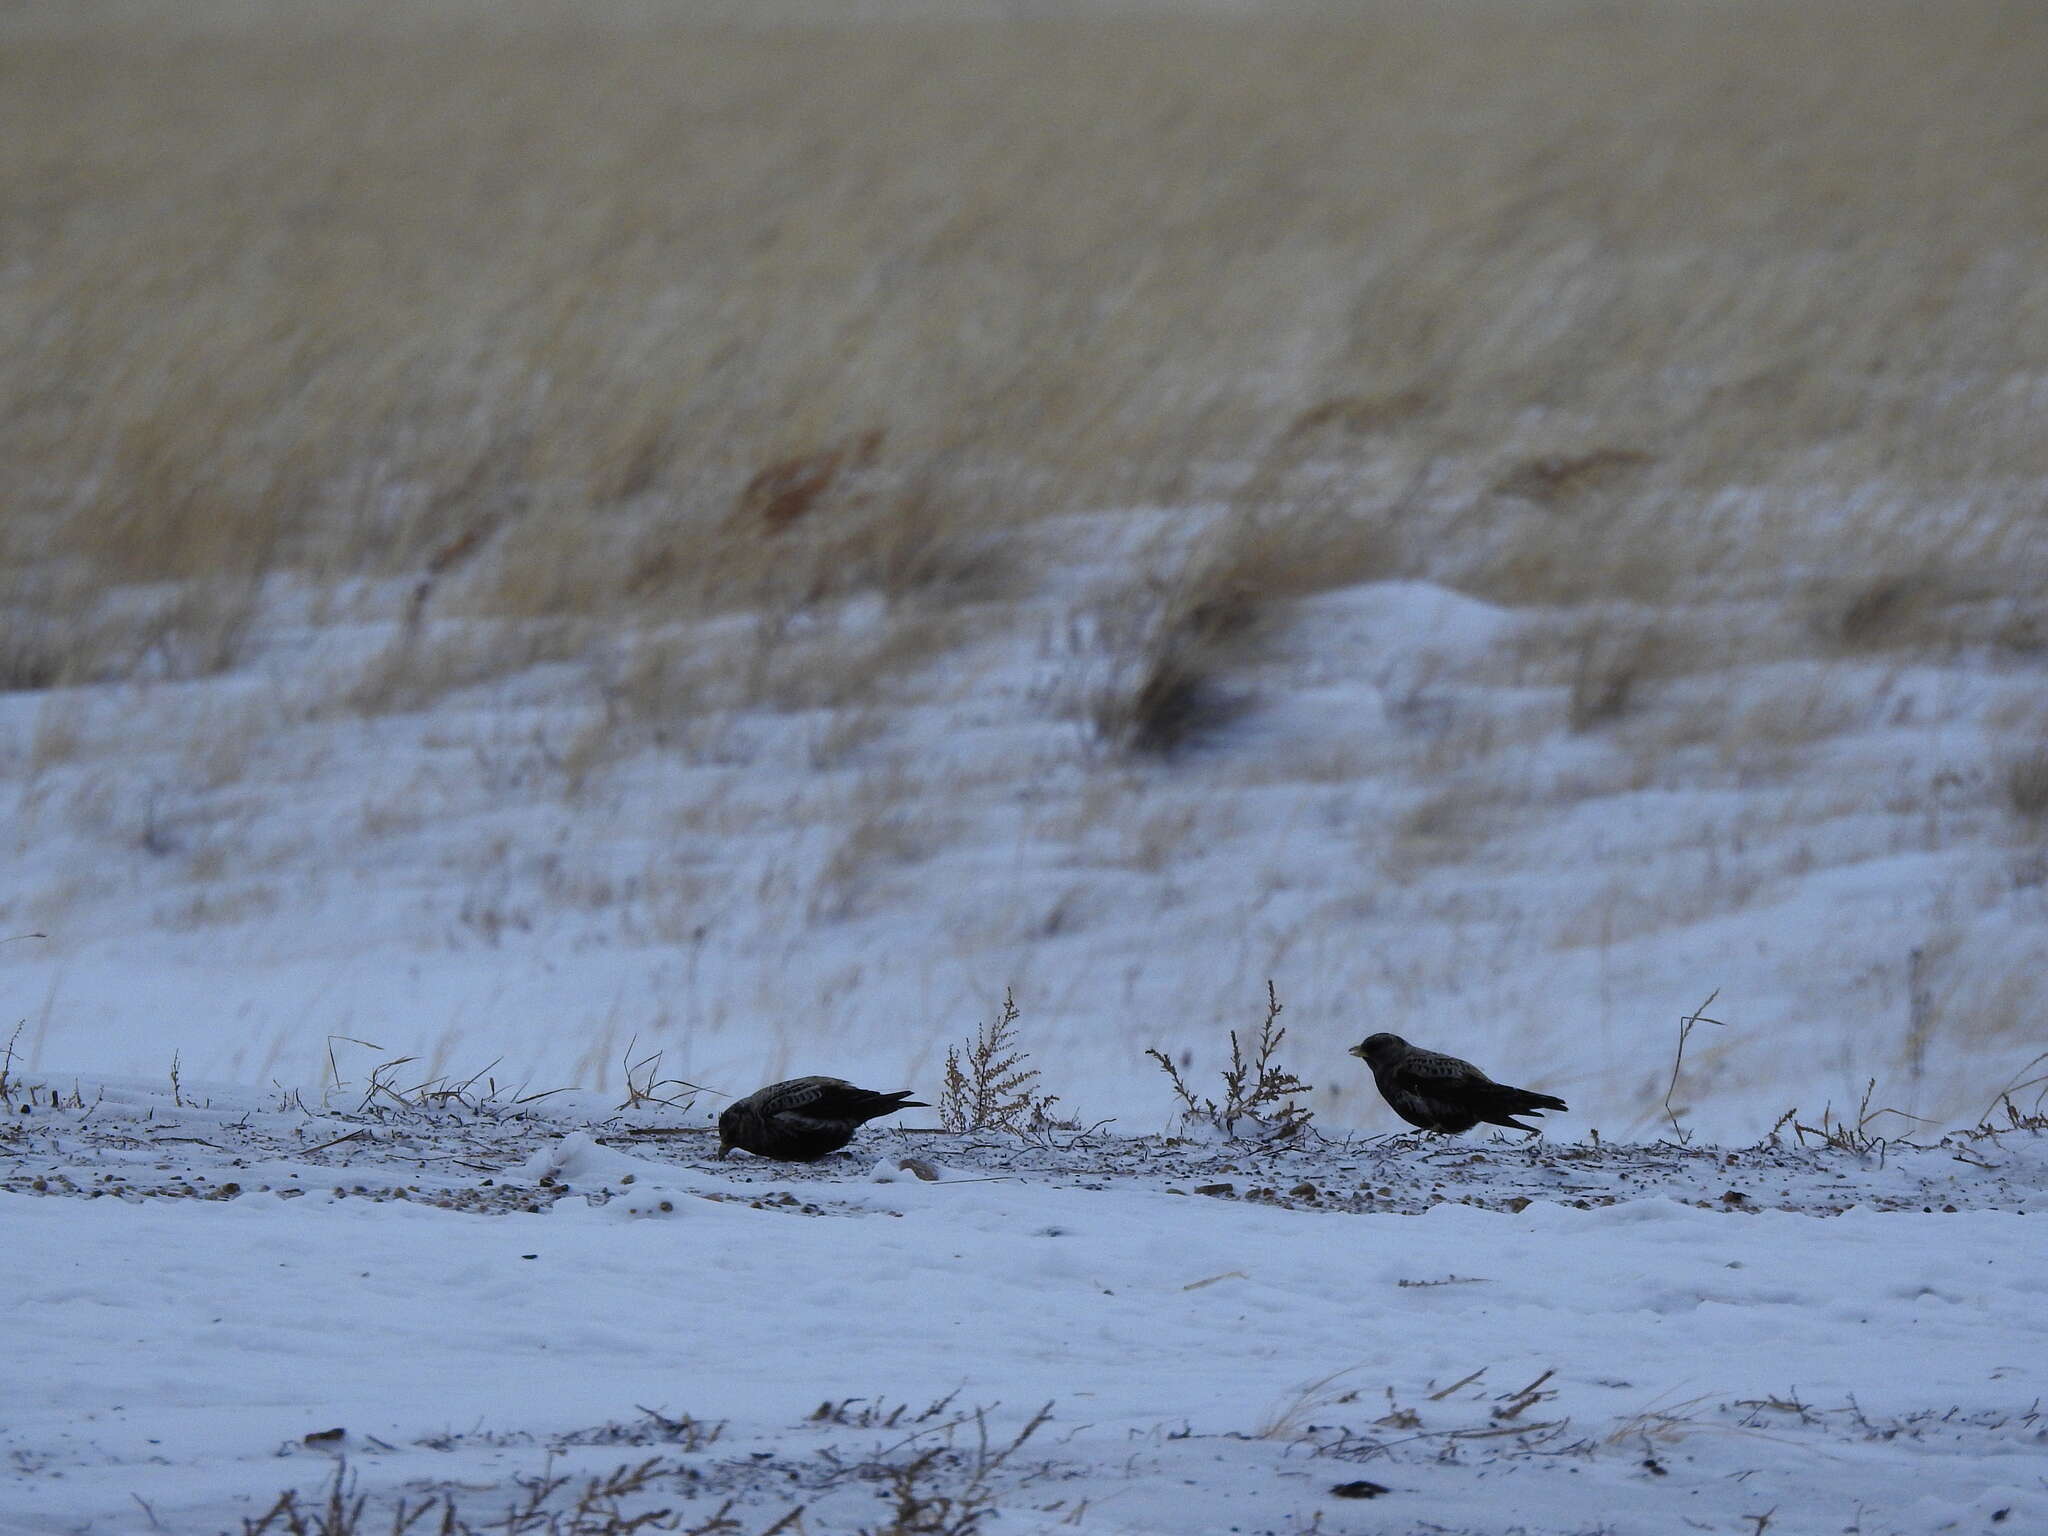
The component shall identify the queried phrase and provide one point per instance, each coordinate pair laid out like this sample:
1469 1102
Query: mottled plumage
805 1118
1442 1093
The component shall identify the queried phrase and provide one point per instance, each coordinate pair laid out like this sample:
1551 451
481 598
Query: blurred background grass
537 288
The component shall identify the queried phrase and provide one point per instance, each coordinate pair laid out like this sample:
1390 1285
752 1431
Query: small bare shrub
2029 1118
10 1085
1856 1136
32 652
988 1087
1256 1088
917 1508
1173 699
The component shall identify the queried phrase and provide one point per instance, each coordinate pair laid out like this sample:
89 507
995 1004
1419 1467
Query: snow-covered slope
1395 830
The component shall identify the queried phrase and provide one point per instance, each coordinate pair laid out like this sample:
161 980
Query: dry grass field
1565 302
627 340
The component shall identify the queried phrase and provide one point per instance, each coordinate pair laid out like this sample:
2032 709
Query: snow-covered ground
1398 831
1354 1335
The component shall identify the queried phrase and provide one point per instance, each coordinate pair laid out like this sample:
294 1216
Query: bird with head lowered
805 1118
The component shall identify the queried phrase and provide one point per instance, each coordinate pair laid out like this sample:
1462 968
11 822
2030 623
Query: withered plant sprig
988 1085
1256 1088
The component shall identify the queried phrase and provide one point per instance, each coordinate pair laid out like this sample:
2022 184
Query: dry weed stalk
2031 1118
1287 1418
1685 1028
646 1086
1660 1422
989 1087
918 1509
10 1085
1255 1088
546 1506
1854 1136
878 1413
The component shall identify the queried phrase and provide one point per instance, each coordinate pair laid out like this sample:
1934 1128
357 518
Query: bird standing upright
805 1118
1442 1093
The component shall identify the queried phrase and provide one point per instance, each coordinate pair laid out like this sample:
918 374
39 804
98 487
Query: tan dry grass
1662 300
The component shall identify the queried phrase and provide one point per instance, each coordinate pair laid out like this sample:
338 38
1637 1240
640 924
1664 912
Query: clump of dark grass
1173 693
2026 786
1608 675
1889 609
1214 614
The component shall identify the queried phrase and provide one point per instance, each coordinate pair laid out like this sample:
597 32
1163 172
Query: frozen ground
1498 1336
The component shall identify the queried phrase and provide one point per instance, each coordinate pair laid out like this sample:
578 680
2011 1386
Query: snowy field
563 562
561 1319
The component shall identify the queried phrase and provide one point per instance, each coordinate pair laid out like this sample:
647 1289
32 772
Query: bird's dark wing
797 1095
1433 1067
833 1099
1444 1093
1476 1097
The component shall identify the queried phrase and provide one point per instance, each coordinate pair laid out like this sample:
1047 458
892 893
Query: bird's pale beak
724 1147
1358 1051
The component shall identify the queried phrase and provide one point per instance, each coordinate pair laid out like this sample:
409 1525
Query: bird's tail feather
1507 1102
870 1105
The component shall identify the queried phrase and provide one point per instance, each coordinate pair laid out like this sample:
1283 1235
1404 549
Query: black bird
805 1118
1442 1093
